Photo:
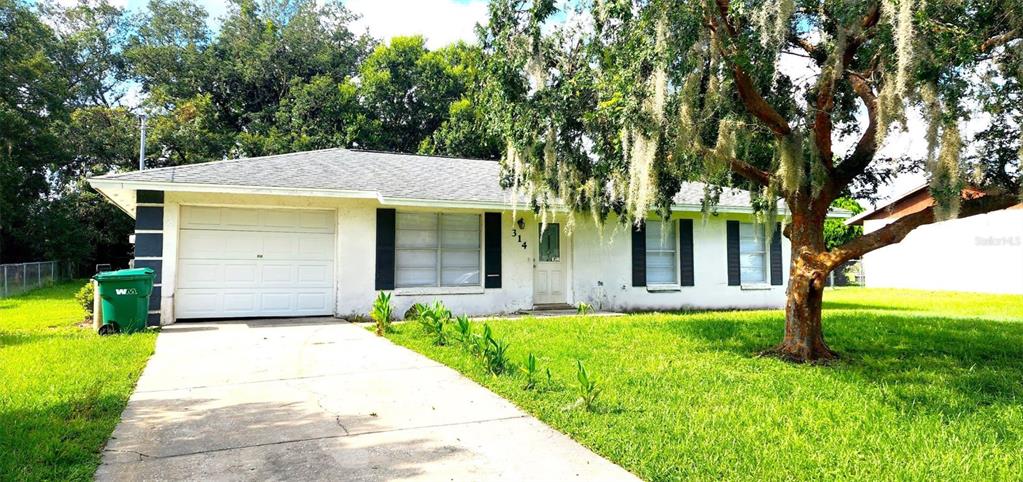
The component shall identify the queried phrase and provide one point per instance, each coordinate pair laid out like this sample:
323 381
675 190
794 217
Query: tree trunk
804 335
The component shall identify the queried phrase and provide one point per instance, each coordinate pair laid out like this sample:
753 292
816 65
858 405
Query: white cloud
441 22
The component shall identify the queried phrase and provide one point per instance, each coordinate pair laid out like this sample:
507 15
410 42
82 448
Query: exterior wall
603 276
598 262
981 253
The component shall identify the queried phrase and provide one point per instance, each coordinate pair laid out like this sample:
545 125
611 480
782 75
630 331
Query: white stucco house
982 253
320 233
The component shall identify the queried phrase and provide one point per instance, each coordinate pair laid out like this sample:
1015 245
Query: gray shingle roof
390 175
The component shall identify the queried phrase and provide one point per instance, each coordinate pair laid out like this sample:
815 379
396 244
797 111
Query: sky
442 22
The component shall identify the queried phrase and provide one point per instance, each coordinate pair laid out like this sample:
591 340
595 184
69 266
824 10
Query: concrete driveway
311 399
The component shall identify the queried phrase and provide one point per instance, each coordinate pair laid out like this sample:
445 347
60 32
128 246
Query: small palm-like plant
464 330
494 352
584 309
530 371
588 390
381 313
433 318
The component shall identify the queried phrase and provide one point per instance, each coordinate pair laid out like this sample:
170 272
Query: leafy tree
836 233
610 111
408 89
465 132
60 70
31 97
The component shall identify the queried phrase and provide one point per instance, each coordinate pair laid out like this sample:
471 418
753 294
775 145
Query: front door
549 272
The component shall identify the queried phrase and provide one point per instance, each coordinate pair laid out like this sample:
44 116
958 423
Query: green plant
583 309
415 311
588 390
381 313
433 318
530 371
85 295
495 352
464 328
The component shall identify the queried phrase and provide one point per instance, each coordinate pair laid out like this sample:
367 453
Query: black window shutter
639 255
385 249
732 228
776 267
492 244
685 252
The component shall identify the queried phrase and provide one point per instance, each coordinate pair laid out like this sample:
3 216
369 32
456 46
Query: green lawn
62 387
930 387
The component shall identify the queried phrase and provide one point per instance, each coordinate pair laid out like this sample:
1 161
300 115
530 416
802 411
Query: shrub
583 309
381 313
84 297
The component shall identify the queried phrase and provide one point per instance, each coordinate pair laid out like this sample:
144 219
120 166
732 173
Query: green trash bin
124 295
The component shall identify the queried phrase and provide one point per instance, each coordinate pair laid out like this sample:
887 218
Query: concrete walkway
314 399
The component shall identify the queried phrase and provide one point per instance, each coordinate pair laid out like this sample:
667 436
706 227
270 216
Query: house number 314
518 237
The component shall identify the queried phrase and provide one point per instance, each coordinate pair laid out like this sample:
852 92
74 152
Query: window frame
765 252
676 283
439 251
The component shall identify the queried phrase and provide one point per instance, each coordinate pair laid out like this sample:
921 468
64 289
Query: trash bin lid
122 274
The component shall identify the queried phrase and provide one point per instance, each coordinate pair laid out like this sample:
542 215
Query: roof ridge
220 162
436 156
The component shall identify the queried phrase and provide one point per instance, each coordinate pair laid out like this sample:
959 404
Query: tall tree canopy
612 109
276 76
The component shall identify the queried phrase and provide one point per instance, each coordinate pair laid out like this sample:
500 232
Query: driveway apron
318 399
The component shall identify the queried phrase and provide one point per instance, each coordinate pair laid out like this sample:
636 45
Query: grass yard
930 387
62 387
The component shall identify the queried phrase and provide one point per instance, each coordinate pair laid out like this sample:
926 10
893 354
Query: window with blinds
437 250
752 254
661 253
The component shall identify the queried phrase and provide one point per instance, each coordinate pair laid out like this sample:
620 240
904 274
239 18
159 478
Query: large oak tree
609 106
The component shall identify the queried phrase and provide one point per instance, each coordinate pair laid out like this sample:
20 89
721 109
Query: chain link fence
21 277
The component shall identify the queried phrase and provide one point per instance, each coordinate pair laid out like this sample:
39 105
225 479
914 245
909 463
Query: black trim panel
155 264
385 249
492 244
154 197
686 261
639 255
777 273
732 228
149 217
148 245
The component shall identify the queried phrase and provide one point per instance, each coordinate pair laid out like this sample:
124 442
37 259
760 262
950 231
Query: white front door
549 272
239 262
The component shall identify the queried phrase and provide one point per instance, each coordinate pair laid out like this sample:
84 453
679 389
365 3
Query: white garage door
236 262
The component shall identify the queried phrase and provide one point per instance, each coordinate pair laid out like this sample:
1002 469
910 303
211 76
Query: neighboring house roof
885 210
390 177
914 200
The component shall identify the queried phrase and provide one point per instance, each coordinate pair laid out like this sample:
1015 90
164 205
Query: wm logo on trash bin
126 291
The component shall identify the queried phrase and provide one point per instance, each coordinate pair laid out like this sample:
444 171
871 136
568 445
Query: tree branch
812 51
749 171
897 230
999 40
866 147
748 93
823 125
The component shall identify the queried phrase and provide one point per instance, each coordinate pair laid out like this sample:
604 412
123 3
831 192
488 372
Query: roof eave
105 185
